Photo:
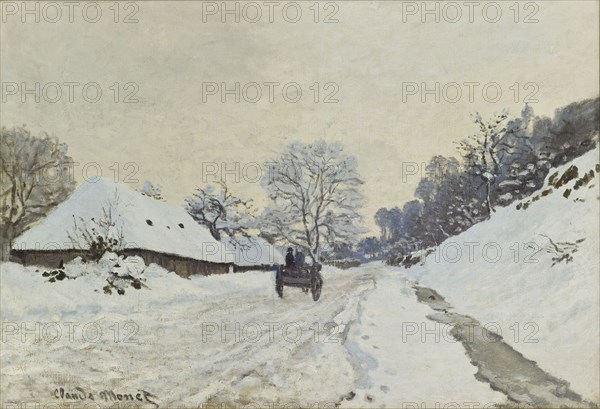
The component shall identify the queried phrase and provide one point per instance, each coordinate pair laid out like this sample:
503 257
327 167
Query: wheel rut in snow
502 367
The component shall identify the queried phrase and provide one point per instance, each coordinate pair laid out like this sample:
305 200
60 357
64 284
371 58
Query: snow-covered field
508 281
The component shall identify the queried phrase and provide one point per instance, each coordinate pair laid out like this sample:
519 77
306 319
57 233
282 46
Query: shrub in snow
99 235
120 272
151 190
55 275
126 272
561 250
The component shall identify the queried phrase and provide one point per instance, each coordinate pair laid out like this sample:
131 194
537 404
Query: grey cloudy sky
373 49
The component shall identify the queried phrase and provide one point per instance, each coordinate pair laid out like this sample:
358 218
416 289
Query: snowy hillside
531 272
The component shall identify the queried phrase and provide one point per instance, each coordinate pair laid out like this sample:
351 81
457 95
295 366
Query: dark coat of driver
289 258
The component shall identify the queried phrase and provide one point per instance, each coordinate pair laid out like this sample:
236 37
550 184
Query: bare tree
221 211
483 151
315 194
35 176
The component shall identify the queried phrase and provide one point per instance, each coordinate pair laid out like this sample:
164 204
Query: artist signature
80 394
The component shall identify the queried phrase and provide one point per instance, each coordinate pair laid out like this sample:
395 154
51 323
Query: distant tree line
506 159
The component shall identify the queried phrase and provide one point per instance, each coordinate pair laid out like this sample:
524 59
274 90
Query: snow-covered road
220 339
228 340
407 360
256 348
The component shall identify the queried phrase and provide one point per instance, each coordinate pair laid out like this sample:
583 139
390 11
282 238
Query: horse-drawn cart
305 277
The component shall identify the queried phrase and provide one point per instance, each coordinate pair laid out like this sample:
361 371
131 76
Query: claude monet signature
81 394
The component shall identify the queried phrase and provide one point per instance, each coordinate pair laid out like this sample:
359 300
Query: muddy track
506 370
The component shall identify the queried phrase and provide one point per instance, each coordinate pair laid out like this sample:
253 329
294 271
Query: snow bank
531 273
28 296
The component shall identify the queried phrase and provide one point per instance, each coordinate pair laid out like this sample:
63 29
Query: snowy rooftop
252 251
147 223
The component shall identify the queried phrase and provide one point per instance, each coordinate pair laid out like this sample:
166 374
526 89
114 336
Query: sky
164 68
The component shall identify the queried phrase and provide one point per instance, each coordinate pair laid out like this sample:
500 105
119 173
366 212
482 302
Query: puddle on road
503 368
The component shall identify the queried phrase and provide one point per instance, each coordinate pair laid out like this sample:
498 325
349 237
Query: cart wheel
316 289
279 285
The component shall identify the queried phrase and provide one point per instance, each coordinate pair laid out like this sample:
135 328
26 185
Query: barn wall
241 269
184 267
48 258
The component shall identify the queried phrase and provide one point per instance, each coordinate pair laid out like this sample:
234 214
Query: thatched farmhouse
157 231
